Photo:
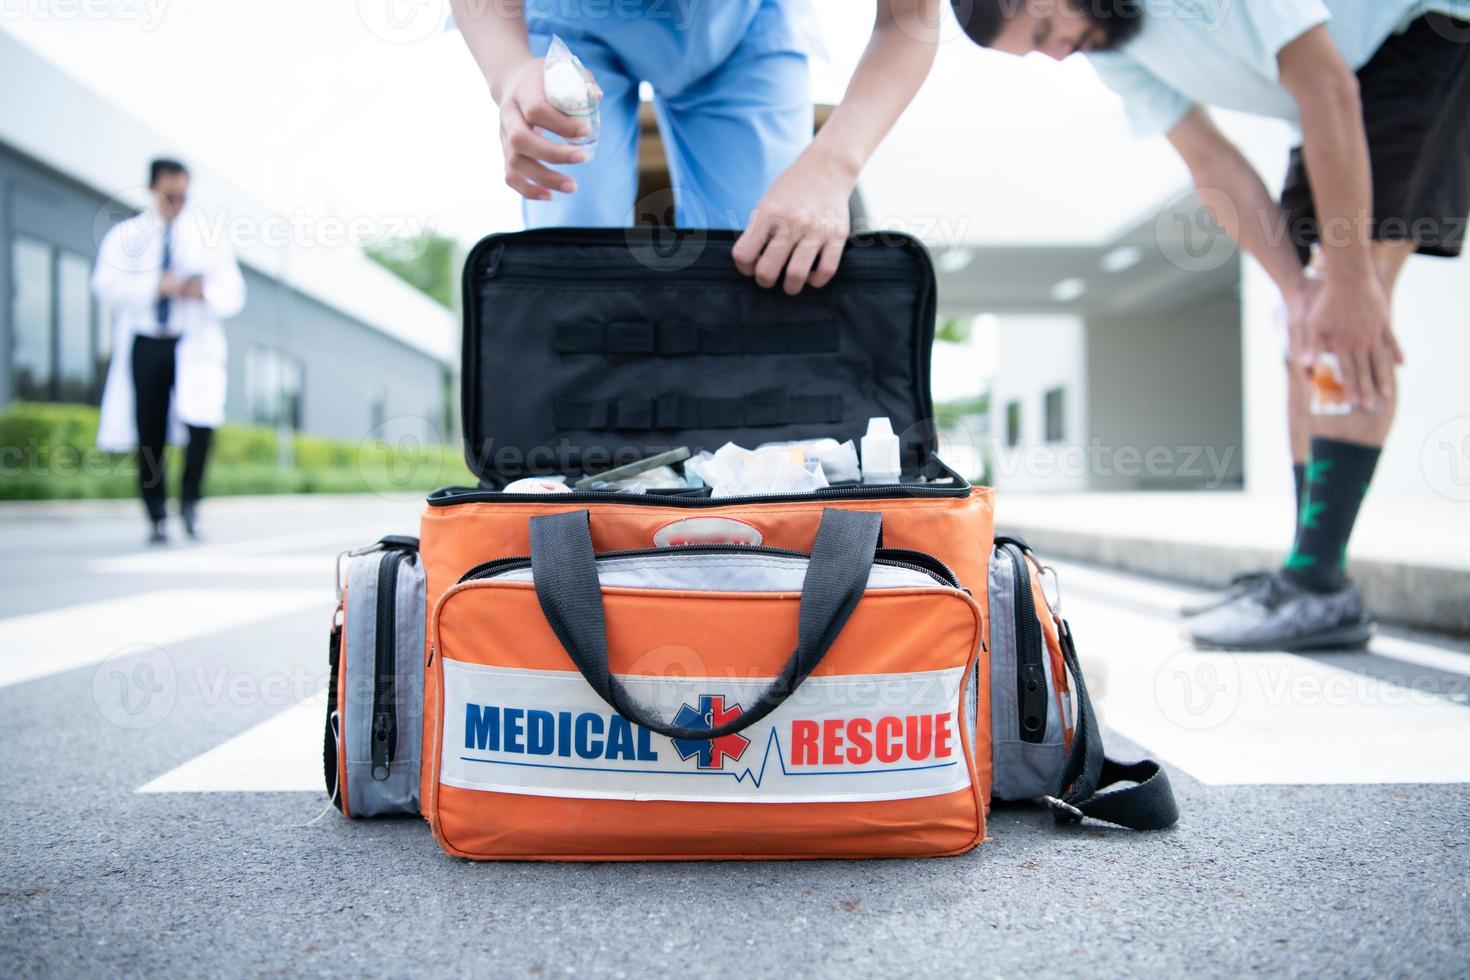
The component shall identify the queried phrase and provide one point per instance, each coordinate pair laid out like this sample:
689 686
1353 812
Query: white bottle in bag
569 90
880 452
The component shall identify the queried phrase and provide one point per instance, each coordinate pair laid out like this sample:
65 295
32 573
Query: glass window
377 409
252 384
31 307
1056 415
76 366
293 386
274 386
1013 424
260 385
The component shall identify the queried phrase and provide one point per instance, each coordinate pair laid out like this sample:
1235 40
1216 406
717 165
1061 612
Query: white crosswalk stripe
281 754
39 644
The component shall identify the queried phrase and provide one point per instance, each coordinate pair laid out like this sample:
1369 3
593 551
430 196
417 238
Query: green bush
48 452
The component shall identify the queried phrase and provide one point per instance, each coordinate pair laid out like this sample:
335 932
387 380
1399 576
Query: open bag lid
588 348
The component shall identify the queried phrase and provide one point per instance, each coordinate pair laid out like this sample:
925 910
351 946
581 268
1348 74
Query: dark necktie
163 301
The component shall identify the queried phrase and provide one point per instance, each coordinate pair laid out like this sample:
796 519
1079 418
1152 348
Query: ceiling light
953 260
1122 258
1068 289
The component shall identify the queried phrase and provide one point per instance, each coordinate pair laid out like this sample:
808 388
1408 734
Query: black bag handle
565 573
1088 772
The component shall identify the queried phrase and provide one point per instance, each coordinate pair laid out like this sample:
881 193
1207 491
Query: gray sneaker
1280 615
1244 584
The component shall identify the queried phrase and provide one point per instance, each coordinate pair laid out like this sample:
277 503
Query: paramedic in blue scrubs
730 89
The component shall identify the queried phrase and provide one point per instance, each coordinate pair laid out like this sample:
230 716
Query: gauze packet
569 89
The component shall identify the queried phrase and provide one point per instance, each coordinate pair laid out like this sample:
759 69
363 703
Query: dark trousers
153 384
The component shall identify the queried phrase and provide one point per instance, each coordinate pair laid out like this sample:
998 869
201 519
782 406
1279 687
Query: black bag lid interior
588 348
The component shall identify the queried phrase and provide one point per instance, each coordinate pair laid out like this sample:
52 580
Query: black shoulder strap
1087 773
332 732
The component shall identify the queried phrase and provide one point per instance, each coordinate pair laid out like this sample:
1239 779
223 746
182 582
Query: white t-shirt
1223 52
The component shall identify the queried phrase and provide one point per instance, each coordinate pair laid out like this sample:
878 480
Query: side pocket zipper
1031 693
385 695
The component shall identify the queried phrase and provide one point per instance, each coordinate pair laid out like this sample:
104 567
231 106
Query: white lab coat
126 278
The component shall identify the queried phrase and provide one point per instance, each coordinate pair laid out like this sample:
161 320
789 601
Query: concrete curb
1419 596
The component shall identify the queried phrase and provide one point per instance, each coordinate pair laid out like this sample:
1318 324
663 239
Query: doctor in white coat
169 282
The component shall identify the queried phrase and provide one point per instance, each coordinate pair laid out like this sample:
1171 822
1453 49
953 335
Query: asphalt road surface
160 713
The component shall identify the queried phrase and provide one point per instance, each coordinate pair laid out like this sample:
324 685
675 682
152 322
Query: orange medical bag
663 673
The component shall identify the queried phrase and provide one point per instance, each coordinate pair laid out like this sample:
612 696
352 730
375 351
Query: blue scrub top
671 43
730 89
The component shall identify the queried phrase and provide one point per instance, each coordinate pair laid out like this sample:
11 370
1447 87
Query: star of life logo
711 713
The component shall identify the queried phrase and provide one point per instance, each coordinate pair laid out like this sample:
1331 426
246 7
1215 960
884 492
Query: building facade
329 343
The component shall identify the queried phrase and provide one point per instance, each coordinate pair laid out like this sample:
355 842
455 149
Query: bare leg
1298 412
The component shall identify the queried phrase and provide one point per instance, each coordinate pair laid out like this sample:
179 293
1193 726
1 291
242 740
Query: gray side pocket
399 793
1023 770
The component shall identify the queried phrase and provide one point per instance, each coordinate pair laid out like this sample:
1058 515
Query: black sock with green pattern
1299 480
1337 478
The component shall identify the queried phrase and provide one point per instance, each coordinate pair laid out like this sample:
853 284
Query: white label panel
849 738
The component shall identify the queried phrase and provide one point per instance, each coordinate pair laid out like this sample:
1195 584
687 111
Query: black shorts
1416 111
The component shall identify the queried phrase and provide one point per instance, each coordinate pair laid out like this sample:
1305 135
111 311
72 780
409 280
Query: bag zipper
717 268
975 689
1031 693
449 496
385 694
914 561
